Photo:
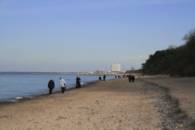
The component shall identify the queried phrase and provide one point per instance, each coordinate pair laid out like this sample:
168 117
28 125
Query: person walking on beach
100 78
62 84
133 78
78 82
51 86
129 78
104 77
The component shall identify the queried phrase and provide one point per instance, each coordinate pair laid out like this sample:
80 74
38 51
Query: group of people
104 77
117 77
63 84
131 78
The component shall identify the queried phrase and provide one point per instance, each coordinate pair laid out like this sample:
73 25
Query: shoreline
37 96
26 85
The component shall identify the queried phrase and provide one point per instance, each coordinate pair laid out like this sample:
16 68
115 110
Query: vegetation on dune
177 61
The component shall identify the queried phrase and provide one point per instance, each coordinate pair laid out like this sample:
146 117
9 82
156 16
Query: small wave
19 98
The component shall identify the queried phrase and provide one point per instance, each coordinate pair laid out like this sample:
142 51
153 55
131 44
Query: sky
89 35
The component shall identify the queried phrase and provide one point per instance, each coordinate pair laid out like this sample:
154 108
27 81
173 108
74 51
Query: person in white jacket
62 84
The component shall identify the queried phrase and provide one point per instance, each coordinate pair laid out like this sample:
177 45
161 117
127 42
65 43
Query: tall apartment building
116 68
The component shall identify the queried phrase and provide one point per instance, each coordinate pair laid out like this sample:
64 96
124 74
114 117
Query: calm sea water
14 86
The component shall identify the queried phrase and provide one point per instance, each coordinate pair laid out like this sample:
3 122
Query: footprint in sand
61 118
4 116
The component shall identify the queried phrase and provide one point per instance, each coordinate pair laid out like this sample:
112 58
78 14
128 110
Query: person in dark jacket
51 86
78 82
100 78
133 78
104 77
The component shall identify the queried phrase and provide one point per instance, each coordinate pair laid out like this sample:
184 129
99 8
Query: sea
15 86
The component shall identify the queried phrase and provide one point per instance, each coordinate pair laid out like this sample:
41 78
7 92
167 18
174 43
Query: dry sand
110 105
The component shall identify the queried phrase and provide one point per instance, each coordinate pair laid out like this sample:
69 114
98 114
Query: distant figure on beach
62 84
131 78
51 86
104 77
78 82
100 78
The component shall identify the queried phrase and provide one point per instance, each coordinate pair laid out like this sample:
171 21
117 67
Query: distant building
116 68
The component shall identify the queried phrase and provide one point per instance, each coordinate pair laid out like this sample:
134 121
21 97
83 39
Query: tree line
174 61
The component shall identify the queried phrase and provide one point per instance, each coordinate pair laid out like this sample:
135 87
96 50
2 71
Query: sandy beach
110 105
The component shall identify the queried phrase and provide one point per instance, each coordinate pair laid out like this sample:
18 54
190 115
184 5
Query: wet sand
110 105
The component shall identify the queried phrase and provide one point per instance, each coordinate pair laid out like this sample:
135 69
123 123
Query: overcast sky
87 35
